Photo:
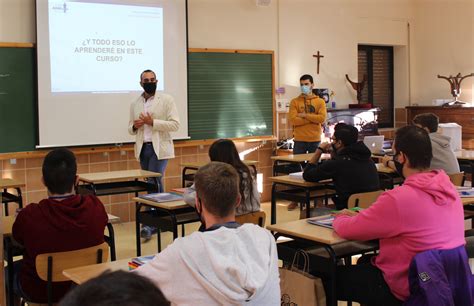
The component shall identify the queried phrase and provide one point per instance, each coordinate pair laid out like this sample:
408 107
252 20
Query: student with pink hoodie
424 213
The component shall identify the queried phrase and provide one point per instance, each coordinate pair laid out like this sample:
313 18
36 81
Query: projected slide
98 47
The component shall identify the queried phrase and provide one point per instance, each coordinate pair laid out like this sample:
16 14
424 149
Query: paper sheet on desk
297 175
465 192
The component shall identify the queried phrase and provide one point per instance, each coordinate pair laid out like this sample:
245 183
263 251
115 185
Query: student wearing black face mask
152 117
351 167
224 264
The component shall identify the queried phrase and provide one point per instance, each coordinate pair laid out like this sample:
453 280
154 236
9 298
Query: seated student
228 263
351 167
443 155
224 150
62 222
117 288
424 213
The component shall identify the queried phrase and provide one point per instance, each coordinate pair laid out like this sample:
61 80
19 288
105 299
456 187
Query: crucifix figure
318 56
358 87
455 83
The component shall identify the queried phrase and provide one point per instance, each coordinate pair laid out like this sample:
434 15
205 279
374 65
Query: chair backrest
70 259
363 200
457 178
257 217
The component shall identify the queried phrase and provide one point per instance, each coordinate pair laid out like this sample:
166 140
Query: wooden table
80 275
466 162
280 162
196 165
116 182
166 217
381 168
7 197
323 261
297 190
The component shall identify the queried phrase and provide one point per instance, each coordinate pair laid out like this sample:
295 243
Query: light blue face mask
306 89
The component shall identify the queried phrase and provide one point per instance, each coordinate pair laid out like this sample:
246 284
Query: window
376 62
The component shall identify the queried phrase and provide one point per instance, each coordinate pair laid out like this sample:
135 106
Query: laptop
374 143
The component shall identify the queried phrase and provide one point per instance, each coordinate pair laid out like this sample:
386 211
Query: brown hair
427 120
224 150
217 185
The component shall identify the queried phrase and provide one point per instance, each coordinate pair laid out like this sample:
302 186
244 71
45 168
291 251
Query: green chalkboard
230 95
17 99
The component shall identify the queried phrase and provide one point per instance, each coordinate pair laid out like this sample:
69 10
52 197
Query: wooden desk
302 229
116 182
381 168
81 275
464 155
298 190
304 234
466 162
7 197
196 165
467 201
284 160
166 217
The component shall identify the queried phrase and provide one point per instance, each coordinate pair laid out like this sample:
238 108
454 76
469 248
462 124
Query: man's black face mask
149 88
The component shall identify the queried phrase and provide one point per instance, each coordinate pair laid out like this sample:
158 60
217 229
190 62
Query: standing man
307 113
152 118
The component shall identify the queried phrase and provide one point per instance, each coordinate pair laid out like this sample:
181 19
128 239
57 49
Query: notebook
162 197
322 221
374 143
465 192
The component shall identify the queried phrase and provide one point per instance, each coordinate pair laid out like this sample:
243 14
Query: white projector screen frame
89 67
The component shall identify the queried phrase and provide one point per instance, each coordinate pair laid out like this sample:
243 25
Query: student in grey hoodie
227 263
443 155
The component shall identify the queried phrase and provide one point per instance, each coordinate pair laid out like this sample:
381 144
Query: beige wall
444 44
441 41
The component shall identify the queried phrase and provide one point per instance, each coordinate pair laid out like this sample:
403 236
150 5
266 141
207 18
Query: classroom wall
28 171
441 31
444 36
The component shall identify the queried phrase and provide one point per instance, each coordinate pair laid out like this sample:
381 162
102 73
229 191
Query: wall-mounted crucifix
318 56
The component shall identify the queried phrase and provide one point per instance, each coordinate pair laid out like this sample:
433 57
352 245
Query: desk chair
257 218
457 178
8 197
50 266
363 200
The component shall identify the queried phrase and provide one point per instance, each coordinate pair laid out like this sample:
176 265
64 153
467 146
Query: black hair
59 171
307 77
224 150
346 133
145 71
117 288
427 120
415 143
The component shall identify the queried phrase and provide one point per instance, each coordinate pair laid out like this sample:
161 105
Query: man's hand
325 146
386 159
138 124
147 119
302 115
346 212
